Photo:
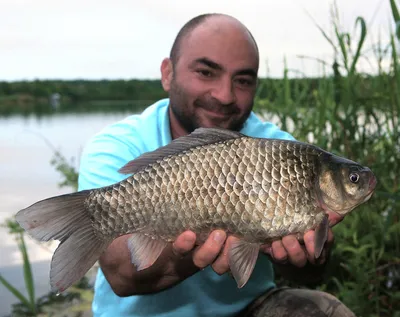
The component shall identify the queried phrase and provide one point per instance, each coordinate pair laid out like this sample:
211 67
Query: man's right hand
178 261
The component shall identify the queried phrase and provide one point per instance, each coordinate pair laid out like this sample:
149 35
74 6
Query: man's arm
177 262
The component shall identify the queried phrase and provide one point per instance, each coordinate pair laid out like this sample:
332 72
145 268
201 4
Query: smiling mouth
216 113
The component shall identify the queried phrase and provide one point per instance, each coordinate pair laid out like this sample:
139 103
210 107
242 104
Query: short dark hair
187 29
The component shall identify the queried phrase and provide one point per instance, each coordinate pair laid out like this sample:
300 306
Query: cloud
128 39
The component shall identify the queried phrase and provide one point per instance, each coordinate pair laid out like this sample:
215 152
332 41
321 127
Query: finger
278 252
334 218
184 243
309 242
221 264
208 252
296 254
331 238
266 248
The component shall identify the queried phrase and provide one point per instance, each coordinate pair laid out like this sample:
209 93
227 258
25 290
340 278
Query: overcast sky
96 39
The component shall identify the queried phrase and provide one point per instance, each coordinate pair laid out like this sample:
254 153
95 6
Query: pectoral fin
242 257
321 235
144 250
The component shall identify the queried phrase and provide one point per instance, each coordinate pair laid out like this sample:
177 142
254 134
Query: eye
205 73
244 82
354 177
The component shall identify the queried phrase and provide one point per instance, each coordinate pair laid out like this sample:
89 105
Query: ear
166 74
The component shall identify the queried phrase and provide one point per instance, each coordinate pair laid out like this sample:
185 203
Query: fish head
343 184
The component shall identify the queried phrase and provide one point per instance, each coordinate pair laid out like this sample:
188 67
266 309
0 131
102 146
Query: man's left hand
290 250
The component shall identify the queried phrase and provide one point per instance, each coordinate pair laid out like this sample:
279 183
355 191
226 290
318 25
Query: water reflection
27 176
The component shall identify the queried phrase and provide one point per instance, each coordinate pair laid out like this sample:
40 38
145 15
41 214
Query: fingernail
190 239
218 237
268 250
310 238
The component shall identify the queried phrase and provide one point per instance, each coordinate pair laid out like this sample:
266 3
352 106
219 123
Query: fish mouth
372 184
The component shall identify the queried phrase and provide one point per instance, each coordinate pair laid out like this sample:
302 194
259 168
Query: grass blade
322 31
396 17
342 44
29 282
15 292
395 11
363 35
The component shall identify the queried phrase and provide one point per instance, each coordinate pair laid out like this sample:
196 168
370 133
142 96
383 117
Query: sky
125 39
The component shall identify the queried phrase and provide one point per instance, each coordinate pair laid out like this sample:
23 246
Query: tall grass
29 303
356 115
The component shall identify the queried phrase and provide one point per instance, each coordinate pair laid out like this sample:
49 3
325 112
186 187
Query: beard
190 120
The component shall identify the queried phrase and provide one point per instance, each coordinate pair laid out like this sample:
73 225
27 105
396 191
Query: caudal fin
66 219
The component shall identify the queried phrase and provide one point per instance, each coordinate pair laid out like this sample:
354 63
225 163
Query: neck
177 130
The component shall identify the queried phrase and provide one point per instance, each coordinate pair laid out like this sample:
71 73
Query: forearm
121 273
126 281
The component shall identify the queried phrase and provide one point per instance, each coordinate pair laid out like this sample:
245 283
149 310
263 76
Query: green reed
29 303
356 115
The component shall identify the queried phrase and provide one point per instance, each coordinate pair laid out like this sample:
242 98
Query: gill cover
343 184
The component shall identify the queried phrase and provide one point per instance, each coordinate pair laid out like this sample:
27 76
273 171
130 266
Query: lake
27 176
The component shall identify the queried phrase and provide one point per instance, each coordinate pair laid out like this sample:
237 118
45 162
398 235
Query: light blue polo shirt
203 294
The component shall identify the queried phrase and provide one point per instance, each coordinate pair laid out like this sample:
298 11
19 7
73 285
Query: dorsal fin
199 137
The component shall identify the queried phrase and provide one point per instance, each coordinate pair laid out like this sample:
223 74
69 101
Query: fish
257 189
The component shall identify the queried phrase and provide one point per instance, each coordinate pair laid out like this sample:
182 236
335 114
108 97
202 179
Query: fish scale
256 189
235 184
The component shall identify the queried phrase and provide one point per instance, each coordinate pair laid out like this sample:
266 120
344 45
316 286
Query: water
27 176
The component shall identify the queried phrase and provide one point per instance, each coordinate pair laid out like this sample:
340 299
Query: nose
224 92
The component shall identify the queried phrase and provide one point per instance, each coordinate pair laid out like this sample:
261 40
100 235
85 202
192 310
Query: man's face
214 81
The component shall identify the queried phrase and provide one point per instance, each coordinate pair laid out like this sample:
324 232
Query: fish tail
65 218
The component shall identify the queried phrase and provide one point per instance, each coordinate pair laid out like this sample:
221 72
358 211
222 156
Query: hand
178 261
290 250
208 253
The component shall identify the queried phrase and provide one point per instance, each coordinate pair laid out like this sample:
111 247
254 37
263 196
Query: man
211 78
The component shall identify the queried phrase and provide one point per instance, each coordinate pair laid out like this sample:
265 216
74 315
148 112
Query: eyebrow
206 61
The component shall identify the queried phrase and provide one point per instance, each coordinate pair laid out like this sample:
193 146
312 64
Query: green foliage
67 170
72 303
28 303
355 115
33 97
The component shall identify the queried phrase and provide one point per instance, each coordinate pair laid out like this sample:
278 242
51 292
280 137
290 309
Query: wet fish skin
244 186
256 189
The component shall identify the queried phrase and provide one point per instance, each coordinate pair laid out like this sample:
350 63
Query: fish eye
354 177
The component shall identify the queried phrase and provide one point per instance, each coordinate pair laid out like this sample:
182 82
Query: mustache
214 105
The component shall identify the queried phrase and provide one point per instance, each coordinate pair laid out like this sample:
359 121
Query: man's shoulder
142 122
135 128
256 127
118 143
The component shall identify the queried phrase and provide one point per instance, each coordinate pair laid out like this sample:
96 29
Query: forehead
224 42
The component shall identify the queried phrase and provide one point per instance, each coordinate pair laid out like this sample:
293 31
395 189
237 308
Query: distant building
55 101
